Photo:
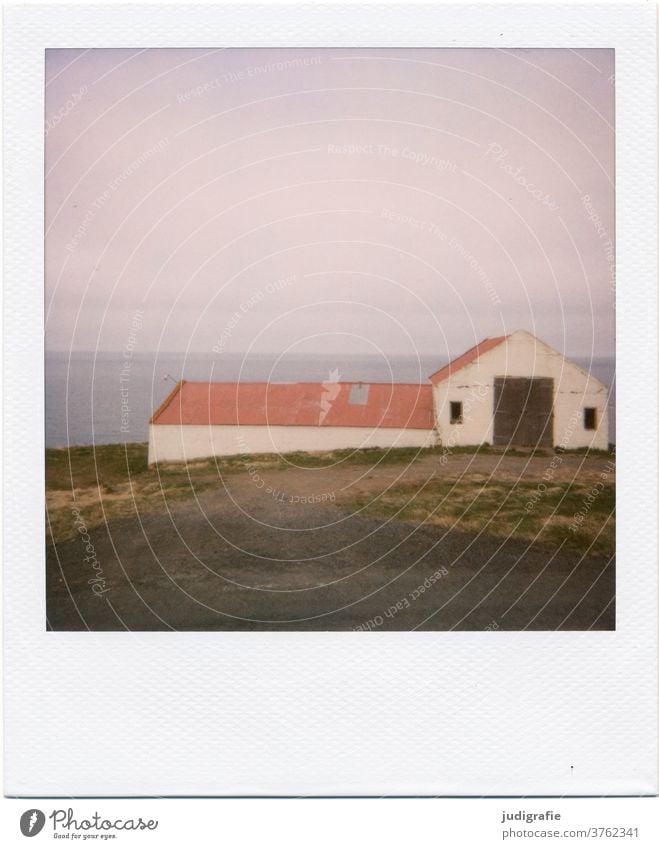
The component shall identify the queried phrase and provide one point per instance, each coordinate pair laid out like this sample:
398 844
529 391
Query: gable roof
466 358
330 404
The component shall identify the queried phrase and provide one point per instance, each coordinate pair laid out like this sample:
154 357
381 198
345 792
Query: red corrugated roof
400 405
466 358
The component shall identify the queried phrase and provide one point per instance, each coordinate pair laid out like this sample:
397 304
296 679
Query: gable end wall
521 355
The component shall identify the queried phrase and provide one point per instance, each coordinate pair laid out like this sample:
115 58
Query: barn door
523 411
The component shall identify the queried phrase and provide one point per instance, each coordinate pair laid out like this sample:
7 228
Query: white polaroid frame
428 713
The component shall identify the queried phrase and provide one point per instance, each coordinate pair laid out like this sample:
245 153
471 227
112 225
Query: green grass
589 452
502 508
89 465
307 460
109 465
111 481
115 481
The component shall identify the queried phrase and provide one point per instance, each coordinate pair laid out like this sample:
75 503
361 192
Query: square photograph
330 339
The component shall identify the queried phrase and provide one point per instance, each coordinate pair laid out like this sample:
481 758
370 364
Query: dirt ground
343 545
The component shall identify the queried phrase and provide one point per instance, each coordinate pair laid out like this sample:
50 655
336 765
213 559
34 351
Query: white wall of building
522 355
175 443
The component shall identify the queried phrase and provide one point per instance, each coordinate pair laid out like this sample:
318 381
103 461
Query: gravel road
248 557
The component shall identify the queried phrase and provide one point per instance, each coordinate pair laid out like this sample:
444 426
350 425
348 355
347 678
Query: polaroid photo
331 400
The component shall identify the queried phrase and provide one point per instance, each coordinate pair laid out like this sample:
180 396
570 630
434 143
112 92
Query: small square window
590 418
358 393
456 412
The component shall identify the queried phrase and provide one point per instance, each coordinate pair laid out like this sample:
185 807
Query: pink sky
329 200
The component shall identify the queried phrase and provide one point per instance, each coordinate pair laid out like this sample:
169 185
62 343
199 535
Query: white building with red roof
508 390
517 390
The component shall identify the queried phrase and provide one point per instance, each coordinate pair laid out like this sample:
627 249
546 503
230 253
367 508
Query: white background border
313 713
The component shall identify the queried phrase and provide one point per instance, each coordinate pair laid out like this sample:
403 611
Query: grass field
505 508
107 465
114 481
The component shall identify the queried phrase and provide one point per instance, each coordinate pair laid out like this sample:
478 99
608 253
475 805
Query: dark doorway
523 411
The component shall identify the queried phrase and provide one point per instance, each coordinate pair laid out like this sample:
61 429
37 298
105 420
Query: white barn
508 390
517 390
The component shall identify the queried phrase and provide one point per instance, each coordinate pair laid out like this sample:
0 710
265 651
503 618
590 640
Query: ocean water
102 398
